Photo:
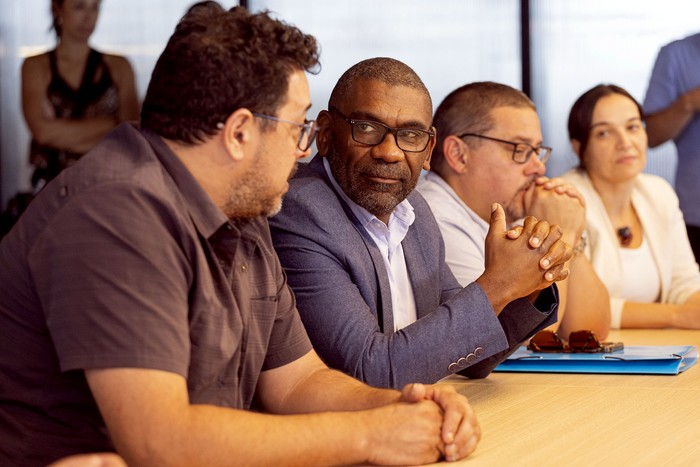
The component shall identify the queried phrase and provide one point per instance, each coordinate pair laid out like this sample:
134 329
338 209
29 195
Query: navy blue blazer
343 294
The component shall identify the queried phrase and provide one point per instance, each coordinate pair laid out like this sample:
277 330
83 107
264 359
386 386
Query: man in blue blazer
365 257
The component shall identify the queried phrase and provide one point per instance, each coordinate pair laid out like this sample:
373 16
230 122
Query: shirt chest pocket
217 338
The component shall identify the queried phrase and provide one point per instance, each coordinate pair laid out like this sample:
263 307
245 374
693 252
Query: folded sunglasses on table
579 341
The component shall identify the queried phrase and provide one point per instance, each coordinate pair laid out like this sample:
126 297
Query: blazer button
462 362
471 357
452 368
479 351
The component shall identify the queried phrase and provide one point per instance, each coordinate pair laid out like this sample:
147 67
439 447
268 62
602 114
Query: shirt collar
439 181
206 216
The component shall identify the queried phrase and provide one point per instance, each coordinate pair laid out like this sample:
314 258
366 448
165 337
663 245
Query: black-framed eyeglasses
308 130
521 151
579 341
373 133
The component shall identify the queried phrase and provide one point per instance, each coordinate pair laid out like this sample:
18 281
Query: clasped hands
522 260
446 420
557 202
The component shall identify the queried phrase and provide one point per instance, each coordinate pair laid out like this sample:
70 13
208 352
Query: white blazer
656 204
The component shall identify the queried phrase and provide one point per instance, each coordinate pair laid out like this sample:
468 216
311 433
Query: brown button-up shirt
124 261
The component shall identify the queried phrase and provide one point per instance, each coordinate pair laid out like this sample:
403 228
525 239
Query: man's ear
456 154
239 131
429 149
323 135
576 146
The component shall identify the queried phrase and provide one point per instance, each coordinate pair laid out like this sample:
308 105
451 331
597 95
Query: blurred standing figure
672 105
73 95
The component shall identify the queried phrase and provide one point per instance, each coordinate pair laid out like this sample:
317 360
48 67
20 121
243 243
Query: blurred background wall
572 46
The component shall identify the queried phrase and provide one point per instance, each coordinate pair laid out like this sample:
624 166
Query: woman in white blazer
637 240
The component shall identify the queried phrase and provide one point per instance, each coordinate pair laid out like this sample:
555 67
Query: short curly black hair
218 61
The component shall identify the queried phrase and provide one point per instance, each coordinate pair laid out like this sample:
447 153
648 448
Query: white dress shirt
463 231
388 238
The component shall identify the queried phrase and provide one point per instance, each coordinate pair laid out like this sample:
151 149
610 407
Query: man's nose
536 166
388 150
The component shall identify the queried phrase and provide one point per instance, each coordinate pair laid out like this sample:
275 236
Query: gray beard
381 200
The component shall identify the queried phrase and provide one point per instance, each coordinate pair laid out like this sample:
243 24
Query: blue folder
655 360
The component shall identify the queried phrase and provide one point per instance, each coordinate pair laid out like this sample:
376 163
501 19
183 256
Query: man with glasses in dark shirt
364 255
489 150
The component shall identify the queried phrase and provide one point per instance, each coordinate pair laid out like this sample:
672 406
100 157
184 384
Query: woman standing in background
73 95
638 244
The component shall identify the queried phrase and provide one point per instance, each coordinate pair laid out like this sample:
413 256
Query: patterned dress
94 98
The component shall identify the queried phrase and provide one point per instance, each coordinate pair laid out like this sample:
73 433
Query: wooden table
537 419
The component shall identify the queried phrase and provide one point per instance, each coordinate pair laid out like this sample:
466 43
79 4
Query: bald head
386 70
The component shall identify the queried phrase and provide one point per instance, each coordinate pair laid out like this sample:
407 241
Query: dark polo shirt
124 261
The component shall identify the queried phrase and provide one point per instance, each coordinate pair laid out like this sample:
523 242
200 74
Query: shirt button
243 267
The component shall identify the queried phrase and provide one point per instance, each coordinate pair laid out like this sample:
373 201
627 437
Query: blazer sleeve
338 295
520 320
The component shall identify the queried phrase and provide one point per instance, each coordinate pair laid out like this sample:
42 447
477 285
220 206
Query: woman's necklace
625 235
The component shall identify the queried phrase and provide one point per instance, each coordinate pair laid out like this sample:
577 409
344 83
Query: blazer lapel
419 273
385 315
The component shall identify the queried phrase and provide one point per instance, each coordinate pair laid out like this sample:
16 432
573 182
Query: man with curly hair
144 310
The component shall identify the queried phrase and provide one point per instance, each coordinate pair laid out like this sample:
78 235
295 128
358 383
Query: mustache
375 167
385 170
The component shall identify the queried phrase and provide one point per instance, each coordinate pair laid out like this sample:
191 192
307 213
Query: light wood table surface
554 419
